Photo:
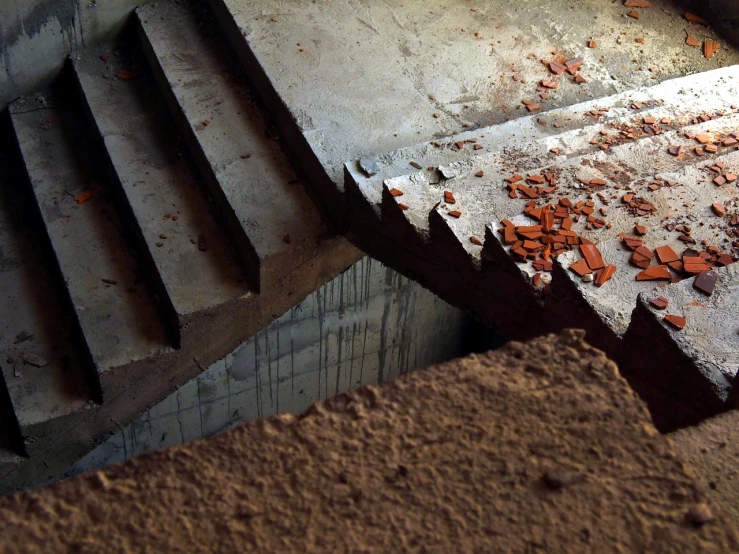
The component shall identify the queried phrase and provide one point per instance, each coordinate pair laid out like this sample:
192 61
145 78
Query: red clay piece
592 256
655 273
659 303
396 192
605 275
705 282
665 254
677 321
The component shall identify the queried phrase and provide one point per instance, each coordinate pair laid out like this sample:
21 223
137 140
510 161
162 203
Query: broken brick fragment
693 18
637 4
449 197
580 267
659 303
677 321
655 273
605 275
402 206
592 256
705 282
480 173
640 229
710 47
666 254
396 192
557 68
692 41
84 197
475 241
456 214
718 208
633 14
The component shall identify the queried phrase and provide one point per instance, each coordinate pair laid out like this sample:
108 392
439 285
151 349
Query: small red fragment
659 303
396 192
677 321
84 197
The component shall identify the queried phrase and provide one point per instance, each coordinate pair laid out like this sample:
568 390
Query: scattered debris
33 359
659 303
84 197
125 75
676 321
698 20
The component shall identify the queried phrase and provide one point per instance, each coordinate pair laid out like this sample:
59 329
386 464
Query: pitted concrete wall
367 326
36 37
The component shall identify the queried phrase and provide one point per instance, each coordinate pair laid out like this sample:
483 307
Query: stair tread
157 182
58 389
569 129
118 317
276 215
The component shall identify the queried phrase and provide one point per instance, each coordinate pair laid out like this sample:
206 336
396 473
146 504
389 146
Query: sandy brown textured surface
713 448
531 448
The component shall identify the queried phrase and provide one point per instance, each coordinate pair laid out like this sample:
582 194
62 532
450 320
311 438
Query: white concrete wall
36 36
366 326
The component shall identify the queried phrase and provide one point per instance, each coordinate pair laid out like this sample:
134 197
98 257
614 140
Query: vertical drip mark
338 366
320 340
256 376
269 363
277 383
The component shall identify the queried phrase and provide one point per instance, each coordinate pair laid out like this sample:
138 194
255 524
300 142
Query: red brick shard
655 273
676 321
693 18
642 257
449 197
665 254
396 192
605 275
706 282
660 303
580 267
637 4
557 68
592 256
456 214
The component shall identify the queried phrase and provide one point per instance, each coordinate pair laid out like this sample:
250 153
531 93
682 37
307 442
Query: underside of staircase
175 191
150 222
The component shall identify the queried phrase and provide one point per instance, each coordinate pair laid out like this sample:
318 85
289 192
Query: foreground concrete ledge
540 445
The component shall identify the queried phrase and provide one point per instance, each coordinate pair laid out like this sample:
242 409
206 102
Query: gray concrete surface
159 185
36 36
248 175
34 323
362 79
107 286
367 326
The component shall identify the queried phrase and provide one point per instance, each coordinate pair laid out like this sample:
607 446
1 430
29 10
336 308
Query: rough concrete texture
363 79
37 36
157 183
699 363
534 447
245 169
713 448
367 326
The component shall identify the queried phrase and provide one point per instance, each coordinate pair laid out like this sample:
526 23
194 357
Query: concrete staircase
150 222
394 206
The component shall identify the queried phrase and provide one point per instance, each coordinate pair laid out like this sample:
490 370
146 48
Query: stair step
568 129
697 365
36 327
267 210
107 287
169 211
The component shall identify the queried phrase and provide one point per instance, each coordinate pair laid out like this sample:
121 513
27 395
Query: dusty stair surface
502 232
149 225
437 211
